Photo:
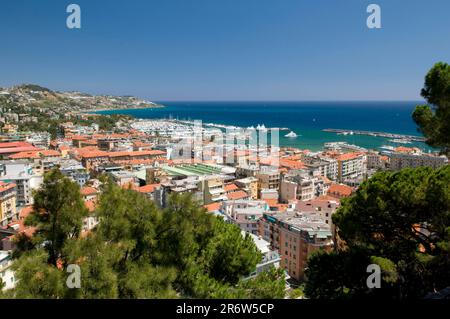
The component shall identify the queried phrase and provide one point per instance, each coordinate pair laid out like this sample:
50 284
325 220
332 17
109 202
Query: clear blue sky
227 49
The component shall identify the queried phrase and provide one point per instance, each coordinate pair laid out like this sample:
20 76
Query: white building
245 213
271 258
6 273
21 173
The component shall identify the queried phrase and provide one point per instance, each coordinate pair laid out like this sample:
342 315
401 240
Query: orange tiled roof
90 205
136 153
237 195
348 156
94 154
24 212
141 144
213 207
292 158
339 189
150 188
98 153
271 202
6 186
327 198
231 187
14 144
291 164
403 149
87 190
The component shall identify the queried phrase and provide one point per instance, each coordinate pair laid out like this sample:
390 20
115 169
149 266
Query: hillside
30 107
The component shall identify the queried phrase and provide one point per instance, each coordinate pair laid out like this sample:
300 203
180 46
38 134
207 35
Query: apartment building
376 161
189 185
325 166
248 184
268 178
296 236
270 257
21 174
8 195
324 208
406 160
300 185
6 273
245 213
351 166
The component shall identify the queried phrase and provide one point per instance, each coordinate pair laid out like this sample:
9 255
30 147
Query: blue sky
227 49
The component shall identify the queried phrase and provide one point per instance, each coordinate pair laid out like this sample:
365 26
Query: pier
409 138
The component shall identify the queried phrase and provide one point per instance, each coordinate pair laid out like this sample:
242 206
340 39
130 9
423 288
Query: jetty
402 137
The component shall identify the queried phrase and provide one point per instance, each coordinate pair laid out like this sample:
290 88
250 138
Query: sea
306 119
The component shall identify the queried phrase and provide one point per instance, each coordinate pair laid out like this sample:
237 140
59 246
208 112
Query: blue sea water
307 119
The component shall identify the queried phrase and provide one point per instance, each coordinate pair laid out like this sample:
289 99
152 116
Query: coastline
308 121
103 109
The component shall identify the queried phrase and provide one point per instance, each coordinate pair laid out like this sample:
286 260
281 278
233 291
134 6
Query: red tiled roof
90 205
141 144
87 190
18 149
35 154
136 153
403 149
14 144
212 207
231 187
150 188
348 156
24 212
291 164
327 198
341 190
237 195
6 186
94 154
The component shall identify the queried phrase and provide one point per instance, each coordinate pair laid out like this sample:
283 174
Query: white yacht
291 134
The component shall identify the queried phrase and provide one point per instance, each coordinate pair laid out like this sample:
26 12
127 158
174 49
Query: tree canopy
434 119
398 220
137 250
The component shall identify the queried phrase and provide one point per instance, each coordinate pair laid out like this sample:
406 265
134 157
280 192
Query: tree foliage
58 213
400 221
137 250
434 119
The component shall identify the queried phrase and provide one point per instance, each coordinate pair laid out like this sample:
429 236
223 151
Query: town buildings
284 202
